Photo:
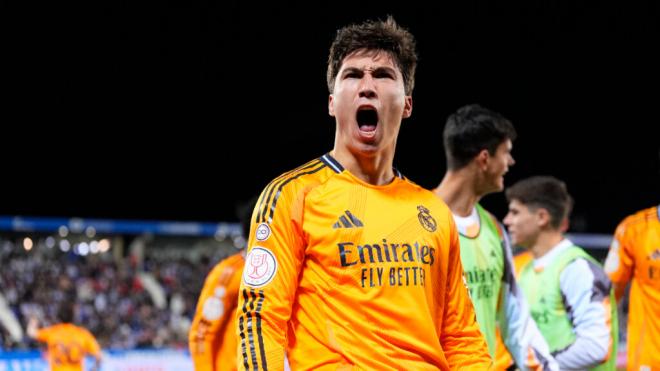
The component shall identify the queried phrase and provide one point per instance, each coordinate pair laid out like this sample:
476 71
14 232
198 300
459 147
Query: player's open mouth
367 120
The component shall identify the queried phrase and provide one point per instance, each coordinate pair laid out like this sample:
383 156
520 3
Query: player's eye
383 74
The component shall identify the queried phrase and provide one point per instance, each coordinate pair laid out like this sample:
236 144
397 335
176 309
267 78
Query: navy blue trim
264 364
261 216
279 189
250 330
242 331
332 163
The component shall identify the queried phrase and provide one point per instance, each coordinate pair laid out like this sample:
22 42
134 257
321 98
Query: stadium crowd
112 294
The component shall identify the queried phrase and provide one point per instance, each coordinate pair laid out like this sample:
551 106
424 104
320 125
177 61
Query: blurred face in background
523 223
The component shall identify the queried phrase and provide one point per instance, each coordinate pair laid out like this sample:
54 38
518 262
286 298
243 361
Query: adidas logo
348 220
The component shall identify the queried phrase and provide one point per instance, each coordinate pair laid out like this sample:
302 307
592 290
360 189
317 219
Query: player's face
522 224
498 165
368 102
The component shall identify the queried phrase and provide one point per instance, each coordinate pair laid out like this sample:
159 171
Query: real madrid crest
426 220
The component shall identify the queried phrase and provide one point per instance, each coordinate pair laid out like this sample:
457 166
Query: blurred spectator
112 301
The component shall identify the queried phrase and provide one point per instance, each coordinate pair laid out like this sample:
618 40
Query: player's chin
496 187
367 145
500 184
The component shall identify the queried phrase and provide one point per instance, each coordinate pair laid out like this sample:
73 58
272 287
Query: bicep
268 283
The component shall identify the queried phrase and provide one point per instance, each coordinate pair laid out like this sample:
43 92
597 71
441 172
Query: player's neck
376 170
545 242
458 191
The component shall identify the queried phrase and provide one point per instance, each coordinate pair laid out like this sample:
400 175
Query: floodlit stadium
135 285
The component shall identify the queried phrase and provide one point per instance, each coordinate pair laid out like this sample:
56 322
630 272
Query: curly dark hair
385 36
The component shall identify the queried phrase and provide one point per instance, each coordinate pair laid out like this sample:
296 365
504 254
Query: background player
212 337
67 343
570 296
635 256
478 144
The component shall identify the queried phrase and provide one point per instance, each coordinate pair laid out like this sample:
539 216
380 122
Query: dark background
179 110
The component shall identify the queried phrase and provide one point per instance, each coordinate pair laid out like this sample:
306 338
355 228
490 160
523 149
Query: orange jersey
635 253
67 346
349 275
503 359
212 339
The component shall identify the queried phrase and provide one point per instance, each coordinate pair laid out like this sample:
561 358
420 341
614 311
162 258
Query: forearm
261 332
585 352
203 358
586 290
204 338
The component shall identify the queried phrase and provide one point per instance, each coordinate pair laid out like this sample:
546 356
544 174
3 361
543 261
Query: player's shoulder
640 219
222 272
84 330
236 260
291 187
70 329
314 171
229 262
45 331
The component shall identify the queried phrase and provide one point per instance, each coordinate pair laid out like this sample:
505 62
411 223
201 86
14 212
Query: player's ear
542 217
407 107
482 159
565 224
331 105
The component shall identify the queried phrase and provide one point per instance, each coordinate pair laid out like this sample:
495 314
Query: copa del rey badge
260 267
